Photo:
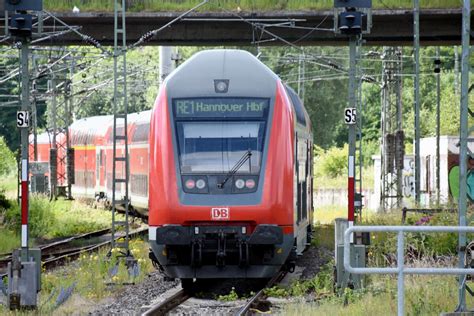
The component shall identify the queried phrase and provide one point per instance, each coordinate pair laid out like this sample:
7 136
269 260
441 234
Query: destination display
221 107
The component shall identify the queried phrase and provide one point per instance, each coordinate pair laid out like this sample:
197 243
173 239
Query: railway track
60 247
57 253
169 304
253 301
181 296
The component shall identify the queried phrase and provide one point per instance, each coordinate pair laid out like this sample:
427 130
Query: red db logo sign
220 213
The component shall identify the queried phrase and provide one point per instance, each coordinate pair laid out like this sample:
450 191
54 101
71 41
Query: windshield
216 146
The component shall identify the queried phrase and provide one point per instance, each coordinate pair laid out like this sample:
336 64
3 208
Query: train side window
141 133
297 105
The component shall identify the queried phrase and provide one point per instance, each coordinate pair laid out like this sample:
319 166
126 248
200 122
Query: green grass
10 240
245 5
89 274
9 184
49 220
424 295
327 214
322 181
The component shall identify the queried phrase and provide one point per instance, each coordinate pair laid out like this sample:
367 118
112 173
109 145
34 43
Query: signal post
25 267
351 18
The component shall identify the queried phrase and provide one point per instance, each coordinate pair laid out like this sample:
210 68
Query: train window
141 133
120 131
216 146
297 105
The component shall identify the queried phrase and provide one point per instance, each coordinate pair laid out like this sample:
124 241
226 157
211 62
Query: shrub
41 218
333 162
7 162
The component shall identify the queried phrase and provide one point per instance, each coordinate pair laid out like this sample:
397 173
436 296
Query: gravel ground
133 297
312 260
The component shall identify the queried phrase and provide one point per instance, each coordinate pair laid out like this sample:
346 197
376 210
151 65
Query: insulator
53 166
437 66
400 149
90 40
389 152
70 166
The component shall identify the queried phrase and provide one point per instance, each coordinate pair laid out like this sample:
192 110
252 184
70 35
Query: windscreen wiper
236 168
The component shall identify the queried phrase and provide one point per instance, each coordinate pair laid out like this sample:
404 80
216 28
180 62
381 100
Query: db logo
220 213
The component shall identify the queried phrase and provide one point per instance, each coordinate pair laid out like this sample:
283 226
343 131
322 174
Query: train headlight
190 184
250 183
200 184
239 183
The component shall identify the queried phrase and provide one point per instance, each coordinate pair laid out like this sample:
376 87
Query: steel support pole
438 130
456 71
25 106
416 35
166 62
53 174
69 107
463 150
352 131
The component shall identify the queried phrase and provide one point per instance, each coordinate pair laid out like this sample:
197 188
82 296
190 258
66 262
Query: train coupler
221 250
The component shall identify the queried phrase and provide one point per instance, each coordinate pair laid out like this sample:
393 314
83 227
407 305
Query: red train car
222 167
230 169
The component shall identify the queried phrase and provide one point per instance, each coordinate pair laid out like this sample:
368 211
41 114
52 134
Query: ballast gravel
133 297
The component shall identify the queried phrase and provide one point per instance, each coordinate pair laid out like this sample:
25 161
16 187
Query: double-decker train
222 168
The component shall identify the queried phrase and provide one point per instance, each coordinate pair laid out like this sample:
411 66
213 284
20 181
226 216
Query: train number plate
220 213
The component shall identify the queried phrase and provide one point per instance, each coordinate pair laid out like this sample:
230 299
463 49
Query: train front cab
225 167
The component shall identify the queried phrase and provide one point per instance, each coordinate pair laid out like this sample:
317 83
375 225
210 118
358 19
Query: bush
418 245
333 162
7 162
41 218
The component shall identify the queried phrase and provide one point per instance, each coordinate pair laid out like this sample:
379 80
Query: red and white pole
351 193
24 203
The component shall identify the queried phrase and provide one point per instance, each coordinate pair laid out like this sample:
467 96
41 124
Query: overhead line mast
120 154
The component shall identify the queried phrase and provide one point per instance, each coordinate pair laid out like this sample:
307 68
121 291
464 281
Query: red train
222 167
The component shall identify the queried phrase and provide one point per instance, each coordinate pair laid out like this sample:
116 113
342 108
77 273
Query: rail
401 269
248 305
169 304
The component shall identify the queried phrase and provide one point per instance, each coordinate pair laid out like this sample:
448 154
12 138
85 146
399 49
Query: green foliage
321 283
419 245
48 220
40 217
7 160
232 296
333 162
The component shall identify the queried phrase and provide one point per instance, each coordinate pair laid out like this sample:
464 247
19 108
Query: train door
103 168
97 169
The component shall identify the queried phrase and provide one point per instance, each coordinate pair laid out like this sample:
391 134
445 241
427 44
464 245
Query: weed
276 291
232 296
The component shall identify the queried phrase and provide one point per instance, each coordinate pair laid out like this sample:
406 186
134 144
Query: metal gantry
359 162
392 144
61 157
120 154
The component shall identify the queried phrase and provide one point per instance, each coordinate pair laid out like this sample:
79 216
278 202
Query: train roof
42 138
139 117
93 125
246 75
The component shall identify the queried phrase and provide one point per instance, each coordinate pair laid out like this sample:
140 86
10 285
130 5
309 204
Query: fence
401 270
